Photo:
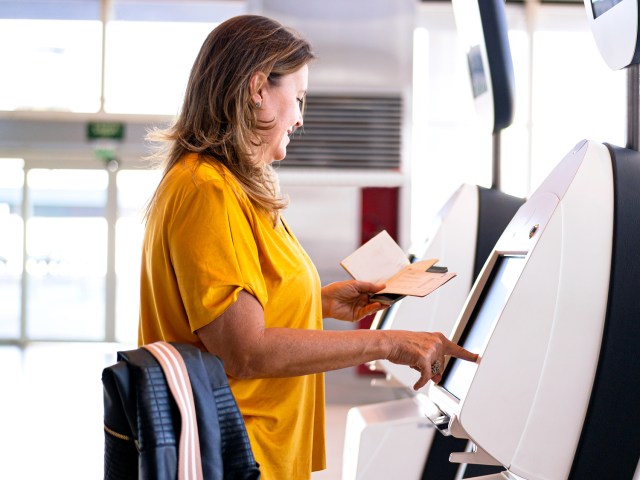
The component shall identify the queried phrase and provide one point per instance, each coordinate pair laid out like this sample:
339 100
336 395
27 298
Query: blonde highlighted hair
218 119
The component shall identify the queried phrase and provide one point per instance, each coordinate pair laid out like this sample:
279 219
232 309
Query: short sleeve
213 251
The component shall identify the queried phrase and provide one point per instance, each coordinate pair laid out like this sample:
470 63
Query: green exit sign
105 130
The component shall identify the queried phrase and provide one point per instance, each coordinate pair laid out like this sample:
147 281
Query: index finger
457 351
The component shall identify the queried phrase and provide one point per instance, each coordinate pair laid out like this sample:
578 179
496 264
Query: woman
222 270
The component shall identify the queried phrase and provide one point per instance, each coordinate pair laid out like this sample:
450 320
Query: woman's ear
256 82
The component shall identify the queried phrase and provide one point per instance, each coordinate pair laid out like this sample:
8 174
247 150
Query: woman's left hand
349 300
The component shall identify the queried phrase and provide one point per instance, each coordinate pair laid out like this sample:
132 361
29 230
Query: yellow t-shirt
204 243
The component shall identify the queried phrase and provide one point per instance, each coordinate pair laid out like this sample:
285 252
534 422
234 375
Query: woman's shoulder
201 175
195 169
194 172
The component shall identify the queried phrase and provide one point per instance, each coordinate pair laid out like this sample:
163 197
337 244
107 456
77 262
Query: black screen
601 6
476 71
493 298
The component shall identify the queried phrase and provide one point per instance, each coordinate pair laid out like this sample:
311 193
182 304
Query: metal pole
111 280
495 170
26 211
633 107
105 8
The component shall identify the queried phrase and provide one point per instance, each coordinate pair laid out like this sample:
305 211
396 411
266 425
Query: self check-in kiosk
461 236
555 314
555 318
467 227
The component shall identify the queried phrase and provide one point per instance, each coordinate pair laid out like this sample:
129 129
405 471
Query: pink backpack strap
175 372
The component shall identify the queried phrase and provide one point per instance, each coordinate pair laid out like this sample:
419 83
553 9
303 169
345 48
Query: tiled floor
51 411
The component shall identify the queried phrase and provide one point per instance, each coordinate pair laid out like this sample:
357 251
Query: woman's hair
218 119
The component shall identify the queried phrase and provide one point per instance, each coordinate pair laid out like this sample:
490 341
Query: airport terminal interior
394 139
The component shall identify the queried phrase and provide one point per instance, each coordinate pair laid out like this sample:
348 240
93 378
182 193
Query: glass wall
63 227
66 247
50 64
575 95
52 53
70 236
150 48
151 76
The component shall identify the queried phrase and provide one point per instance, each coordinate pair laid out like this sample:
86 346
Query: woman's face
281 109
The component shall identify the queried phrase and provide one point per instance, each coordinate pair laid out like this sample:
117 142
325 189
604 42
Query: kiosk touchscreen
505 273
461 237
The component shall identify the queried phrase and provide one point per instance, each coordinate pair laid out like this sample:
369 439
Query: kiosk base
377 437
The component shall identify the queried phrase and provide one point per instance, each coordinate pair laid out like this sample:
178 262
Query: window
135 188
50 65
575 95
11 241
148 64
66 247
52 53
564 93
150 48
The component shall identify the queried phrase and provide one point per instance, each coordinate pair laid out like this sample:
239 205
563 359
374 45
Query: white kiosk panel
621 17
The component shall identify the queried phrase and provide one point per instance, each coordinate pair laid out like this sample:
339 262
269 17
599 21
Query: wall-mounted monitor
482 28
614 24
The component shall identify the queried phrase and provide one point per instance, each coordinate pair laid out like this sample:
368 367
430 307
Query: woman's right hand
422 350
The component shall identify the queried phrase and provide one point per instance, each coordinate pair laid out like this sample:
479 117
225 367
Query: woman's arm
249 350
